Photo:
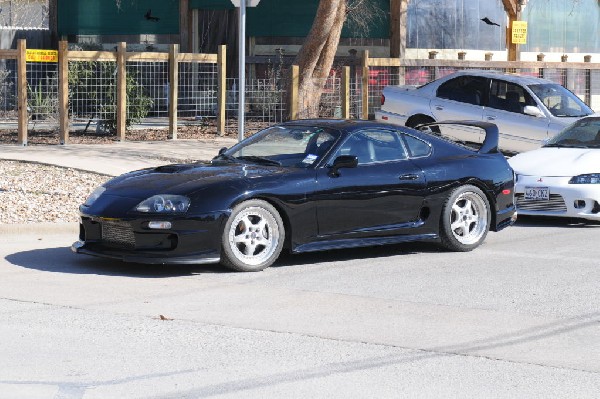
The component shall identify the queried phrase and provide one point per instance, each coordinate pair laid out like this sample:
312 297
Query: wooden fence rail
363 66
120 57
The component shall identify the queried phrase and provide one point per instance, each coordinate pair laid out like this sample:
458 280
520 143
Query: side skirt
361 242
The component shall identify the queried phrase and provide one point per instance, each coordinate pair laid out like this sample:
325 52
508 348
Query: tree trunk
316 56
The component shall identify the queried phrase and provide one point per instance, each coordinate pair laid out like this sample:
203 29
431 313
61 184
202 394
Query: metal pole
242 69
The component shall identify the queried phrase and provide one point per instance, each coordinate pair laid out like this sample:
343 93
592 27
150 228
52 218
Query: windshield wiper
558 145
260 160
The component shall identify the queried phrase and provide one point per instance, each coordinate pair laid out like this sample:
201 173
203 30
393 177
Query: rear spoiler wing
490 143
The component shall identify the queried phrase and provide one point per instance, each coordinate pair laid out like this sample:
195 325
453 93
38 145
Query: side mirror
533 111
343 161
222 150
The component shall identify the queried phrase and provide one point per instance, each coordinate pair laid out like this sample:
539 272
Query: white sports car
563 177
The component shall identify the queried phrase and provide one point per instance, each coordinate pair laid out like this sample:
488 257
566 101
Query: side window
508 97
465 89
417 147
373 146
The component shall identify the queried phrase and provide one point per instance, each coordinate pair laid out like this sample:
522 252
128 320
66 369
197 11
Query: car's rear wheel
253 237
465 220
417 120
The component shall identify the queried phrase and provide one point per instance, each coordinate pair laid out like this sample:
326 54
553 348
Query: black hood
184 179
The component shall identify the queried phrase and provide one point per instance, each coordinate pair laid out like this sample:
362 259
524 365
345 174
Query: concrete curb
40 228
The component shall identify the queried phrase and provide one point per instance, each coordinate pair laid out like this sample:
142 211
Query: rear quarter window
417 147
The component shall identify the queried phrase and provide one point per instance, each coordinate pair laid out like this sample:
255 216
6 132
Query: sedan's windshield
560 101
584 133
291 146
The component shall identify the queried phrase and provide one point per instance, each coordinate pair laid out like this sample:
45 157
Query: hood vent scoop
173 168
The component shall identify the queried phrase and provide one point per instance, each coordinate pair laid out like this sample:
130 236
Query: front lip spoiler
79 248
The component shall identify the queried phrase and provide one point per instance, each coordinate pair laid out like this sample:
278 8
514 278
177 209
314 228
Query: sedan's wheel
465 219
253 236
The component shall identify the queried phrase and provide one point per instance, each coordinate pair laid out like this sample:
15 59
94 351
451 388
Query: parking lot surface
518 317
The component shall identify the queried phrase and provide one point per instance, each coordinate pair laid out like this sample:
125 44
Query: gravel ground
34 193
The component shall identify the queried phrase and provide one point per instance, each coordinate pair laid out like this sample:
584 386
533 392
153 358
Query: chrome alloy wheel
469 218
253 236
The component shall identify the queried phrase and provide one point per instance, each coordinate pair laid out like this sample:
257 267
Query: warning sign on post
41 56
519 32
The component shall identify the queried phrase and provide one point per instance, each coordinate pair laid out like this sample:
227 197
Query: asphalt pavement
118 157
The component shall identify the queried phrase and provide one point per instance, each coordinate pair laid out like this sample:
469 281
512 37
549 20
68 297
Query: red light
506 191
382 99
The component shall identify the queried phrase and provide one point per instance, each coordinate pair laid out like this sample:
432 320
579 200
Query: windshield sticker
310 159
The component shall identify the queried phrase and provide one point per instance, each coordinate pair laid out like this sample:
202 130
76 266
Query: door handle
409 176
491 118
439 107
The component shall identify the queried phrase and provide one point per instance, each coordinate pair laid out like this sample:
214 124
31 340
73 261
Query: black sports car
307 185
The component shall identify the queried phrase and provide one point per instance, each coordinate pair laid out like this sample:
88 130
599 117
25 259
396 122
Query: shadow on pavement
365 253
547 221
62 260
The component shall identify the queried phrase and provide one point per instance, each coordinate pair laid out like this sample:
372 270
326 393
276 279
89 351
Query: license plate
537 193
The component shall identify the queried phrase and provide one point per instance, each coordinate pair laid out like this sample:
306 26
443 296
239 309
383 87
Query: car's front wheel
253 237
465 220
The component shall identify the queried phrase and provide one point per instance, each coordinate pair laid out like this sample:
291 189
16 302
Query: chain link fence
42 96
8 91
92 90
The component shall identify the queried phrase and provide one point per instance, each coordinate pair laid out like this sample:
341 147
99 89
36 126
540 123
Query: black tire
415 121
253 237
465 219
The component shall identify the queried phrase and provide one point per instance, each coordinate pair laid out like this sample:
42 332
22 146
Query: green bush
93 94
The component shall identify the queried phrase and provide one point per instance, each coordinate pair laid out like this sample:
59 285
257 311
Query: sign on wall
519 32
41 56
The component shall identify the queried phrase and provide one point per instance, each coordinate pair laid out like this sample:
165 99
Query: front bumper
146 258
188 241
566 200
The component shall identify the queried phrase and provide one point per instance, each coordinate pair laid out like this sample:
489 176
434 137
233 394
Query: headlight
592 178
94 196
164 203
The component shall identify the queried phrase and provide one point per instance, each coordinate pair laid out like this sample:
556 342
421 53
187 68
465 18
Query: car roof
341 124
511 77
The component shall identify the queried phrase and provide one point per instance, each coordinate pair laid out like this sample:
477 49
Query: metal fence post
121 92
173 83
221 89
345 89
365 85
22 91
294 83
63 91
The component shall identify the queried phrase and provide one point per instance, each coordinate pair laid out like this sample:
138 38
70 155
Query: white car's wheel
465 220
253 236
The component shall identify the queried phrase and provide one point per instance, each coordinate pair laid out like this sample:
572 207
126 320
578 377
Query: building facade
407 28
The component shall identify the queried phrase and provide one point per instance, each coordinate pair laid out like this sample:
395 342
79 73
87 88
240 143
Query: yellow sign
519 32
41 56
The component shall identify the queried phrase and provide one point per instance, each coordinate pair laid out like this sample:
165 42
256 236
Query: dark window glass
373 146
508 96
465 89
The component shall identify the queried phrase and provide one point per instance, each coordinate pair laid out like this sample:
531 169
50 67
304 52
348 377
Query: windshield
584 133
290 146
560 101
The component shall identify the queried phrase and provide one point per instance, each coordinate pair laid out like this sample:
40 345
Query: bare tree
317 53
